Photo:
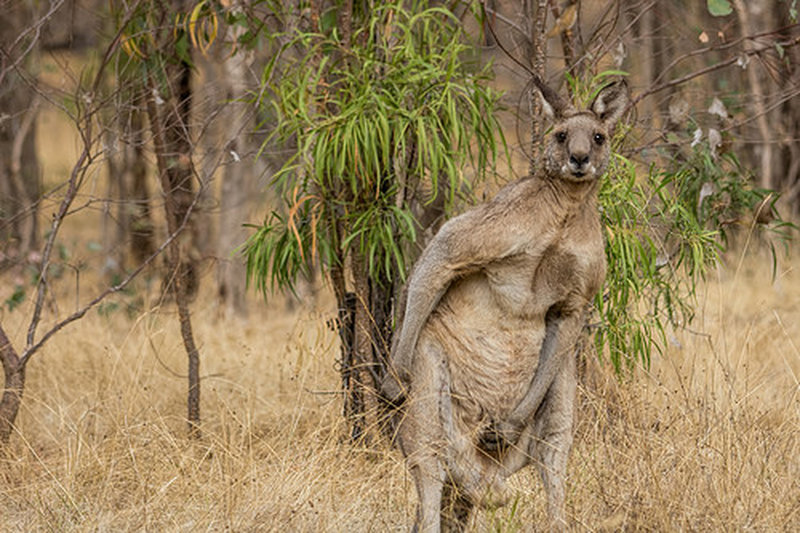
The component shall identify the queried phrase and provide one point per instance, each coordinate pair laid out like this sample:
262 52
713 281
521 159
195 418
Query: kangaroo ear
547 108
552 104
610 102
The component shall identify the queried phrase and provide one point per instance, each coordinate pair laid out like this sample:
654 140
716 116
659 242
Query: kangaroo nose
578 160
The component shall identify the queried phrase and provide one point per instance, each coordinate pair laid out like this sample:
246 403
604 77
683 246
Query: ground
706 439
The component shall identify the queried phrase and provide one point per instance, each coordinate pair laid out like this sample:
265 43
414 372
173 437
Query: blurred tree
166 34
128 228
20 180
237 186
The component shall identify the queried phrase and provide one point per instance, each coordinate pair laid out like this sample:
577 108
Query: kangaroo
484 362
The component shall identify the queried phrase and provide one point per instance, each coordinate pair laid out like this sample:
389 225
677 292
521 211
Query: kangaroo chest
526 286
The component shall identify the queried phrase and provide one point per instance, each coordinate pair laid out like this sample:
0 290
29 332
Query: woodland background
137 142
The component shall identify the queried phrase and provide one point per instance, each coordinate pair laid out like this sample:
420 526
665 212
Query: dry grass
708 439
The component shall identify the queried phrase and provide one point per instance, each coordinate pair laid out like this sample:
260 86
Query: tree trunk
538 57
567 34
169 103
362 353
14 385
645 42
140 223
20 181
236 182
169 109
193 357
177 274
758 99
114 224
789 154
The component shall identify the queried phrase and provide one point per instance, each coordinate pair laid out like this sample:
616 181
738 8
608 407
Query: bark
14 385
645 45
363 360
168 110
193 358
538 58
758 99
169 103
352 405
362 328
139 219
237 182
567 34
20 181
114 223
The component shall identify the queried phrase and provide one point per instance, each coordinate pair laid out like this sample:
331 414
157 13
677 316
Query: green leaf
719 8
16 298
372 130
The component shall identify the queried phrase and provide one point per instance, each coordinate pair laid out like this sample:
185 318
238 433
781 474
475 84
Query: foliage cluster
656 251
396 114
663 232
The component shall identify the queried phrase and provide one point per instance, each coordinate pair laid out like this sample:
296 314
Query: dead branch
77 175
29 351
709 69
36 28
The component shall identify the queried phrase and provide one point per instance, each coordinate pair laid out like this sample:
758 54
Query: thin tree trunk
758 98
193 358
169 124
353 405
14 386
236 182
20 182
362 353
538 58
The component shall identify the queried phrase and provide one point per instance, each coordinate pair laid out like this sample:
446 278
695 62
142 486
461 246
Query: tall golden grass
708 439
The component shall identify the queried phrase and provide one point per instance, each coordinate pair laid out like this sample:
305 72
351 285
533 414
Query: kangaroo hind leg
553 440
429 478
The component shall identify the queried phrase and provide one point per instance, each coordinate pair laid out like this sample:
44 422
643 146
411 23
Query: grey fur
495 306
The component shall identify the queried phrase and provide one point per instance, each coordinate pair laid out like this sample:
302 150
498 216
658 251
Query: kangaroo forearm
546 370
560 337
416 316
427 286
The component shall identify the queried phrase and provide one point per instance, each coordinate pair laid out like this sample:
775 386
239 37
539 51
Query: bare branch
34 28
76 177
29 351
720 47
709 69
505 20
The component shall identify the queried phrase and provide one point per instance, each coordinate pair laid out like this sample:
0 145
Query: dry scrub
708 439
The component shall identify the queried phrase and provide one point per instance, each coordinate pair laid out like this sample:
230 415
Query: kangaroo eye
599 139
561 136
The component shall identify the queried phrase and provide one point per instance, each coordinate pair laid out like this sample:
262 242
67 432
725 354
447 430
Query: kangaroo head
577 147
